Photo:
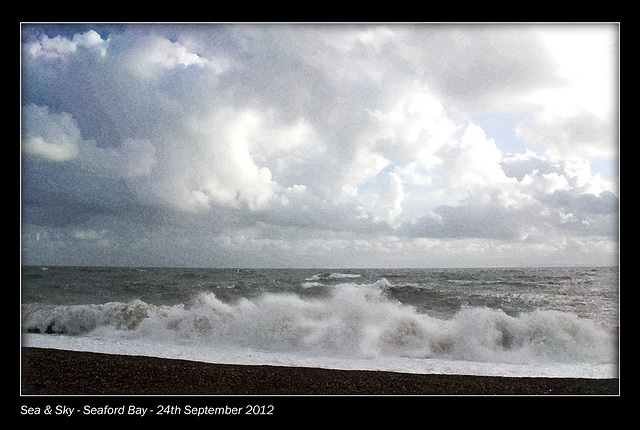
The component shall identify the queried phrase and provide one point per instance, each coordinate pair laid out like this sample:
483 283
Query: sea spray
352 321
559 322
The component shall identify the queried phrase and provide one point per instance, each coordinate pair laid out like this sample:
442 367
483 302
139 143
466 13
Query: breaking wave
352 321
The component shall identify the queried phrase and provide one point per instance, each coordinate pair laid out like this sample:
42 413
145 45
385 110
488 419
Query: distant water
558 322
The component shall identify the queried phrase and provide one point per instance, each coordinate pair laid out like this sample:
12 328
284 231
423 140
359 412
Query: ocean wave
351 321
312 284
333 275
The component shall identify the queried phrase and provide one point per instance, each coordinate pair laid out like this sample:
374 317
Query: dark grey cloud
520 165
473 63
449 222
606 203
585 214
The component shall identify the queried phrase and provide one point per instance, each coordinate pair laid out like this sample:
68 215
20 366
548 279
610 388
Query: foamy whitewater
554 322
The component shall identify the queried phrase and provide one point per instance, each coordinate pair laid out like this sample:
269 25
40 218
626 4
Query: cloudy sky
333 145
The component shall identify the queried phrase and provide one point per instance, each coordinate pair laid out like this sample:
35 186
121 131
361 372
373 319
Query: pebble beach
62 372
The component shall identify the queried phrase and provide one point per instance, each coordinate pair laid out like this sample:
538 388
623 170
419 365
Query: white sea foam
356 326
334 275
238 355
344 275
312 284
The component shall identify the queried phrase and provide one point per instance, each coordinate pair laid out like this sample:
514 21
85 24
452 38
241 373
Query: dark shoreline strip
61 372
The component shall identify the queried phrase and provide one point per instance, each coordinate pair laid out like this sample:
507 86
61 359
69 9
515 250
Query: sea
536 322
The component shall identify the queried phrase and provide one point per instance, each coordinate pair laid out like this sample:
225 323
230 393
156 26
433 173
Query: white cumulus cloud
322 140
